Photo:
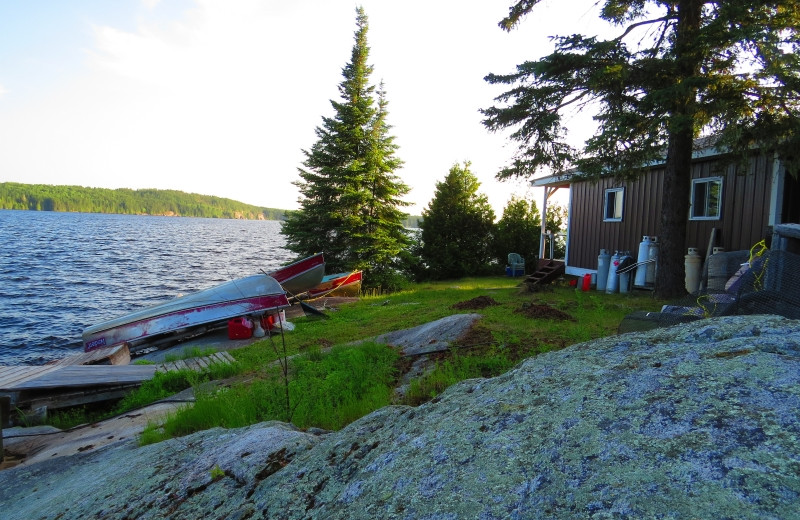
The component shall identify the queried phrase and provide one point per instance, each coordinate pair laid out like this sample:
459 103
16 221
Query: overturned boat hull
255 294
299 277
341 284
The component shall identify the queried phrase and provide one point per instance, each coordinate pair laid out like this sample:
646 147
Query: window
706 202
613 204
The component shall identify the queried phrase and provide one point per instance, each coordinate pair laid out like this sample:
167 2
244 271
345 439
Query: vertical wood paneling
744 217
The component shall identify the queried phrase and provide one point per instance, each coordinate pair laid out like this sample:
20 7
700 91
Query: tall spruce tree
457 227
350 196
679 69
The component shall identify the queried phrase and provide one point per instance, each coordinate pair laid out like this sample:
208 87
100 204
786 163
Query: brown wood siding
744 220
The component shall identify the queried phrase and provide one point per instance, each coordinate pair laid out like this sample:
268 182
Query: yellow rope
756 252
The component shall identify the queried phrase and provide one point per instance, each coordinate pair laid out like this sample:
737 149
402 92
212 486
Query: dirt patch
476 336
479 302
536 311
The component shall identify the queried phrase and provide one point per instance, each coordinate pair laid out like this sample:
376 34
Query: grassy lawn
328 383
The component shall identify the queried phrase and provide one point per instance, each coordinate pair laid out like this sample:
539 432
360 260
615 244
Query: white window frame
619 204
705 202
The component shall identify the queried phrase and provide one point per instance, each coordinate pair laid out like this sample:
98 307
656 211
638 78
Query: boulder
694 421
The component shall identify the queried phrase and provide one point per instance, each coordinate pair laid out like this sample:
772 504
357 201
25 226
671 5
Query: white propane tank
652 255
691 264
603 262
641 271
613 277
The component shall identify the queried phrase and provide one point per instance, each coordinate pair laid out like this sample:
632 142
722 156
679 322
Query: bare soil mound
479 302
533 310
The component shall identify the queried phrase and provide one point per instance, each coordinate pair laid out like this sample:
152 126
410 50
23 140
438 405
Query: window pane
699 201
713 198
706 198
614 202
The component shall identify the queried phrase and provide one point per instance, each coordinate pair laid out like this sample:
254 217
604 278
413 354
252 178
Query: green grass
327 390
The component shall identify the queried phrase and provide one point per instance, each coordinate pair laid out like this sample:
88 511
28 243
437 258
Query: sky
220 97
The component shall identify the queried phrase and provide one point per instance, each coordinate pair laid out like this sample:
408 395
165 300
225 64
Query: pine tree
457 227
518 231
350 196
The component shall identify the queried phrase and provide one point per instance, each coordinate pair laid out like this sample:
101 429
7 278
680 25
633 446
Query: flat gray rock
431 337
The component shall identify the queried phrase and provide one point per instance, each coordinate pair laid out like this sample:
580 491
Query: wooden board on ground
197 364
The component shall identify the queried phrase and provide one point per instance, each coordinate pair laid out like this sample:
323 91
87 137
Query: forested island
173 203
44 197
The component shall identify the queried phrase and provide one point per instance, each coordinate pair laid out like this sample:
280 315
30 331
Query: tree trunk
677 175
674 212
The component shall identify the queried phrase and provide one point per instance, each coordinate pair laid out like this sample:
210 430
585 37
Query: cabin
729 208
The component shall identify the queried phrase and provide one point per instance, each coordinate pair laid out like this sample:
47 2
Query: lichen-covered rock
187 477
696 421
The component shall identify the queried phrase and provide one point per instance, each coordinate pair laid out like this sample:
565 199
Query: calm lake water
62 272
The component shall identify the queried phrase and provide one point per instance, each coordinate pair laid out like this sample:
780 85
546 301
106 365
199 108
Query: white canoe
252 295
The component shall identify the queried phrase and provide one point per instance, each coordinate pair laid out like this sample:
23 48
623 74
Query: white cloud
3 90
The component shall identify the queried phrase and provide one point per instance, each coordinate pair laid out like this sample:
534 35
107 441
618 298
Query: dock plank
217 358
11 377
86 375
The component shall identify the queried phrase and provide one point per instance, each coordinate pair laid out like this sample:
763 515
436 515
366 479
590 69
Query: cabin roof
704 147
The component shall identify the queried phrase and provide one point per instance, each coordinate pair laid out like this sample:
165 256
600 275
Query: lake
62 272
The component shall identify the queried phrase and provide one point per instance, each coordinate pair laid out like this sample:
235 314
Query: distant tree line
43 197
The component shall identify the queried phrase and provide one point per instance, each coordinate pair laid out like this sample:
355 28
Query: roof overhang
704 148
561 180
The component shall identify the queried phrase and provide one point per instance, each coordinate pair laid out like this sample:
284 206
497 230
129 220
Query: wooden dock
62 385
197 364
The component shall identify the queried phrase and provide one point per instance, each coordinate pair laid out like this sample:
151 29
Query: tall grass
327 390
458 368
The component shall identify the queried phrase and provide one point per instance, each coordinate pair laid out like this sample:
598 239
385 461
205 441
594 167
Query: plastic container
240 328
587 282
691 265
268 322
